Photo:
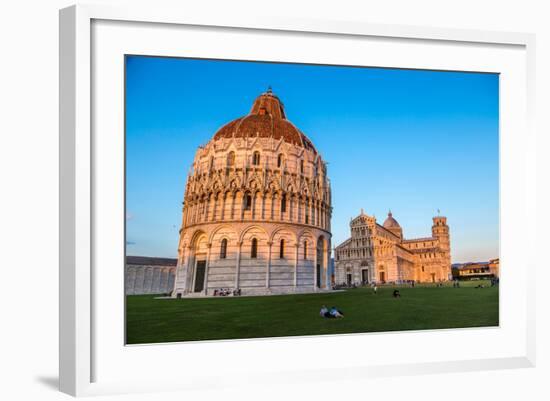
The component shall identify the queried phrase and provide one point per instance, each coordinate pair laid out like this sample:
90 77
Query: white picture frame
82 344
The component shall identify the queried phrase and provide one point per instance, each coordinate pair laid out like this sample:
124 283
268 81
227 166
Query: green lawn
152 320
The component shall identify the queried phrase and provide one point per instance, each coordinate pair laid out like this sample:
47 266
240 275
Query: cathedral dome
390 222
266 119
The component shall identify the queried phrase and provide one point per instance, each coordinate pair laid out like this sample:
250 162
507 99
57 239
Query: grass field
151 320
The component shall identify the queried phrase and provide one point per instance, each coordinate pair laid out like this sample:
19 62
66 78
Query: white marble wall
143 279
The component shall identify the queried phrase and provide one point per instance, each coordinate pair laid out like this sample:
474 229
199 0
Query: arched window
254 249
223 249
283 204
247 201
422 268
231 159
302 166
305 250
280 160
211 162
282 249
256 158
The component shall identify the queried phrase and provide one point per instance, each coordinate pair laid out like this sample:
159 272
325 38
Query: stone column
198 216
177 272
238 264
243 196
315 221
196 207
214 204
222 214
327 272
254 198
315 213
297 245
187 270
206 208
290 208
232 211
184 216
280 204
315 265
189 214
206 268
269 244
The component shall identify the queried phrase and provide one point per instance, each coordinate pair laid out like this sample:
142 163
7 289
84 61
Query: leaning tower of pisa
257 209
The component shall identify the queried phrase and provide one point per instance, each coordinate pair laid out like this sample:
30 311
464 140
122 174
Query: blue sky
412 141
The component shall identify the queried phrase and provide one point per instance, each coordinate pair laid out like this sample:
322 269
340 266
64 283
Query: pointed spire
389 213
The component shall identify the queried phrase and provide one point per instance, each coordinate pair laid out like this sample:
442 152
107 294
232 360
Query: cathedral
379 254
256 211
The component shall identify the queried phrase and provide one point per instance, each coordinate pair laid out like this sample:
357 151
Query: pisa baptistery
256 210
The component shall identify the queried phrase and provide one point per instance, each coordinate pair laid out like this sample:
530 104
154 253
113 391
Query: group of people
332 313
224 292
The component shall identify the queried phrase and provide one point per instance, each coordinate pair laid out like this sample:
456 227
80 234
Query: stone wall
269 271
144 275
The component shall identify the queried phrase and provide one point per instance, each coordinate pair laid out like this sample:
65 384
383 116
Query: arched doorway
364 272
349 276
197 265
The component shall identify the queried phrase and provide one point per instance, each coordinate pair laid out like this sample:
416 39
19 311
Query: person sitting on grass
396 294
334 312
324 311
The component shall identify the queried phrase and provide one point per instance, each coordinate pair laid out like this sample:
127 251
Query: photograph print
283 199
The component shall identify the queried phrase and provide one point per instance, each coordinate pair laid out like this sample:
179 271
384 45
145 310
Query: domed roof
390 222
267 119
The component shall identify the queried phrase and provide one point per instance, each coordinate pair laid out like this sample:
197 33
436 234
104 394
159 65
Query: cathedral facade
256 211
379 254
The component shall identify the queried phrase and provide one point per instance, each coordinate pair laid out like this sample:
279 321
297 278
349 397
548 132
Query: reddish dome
266 119
391 222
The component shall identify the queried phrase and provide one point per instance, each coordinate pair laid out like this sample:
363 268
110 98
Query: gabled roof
343 244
